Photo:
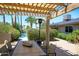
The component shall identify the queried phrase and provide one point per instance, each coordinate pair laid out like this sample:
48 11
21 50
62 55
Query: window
68 29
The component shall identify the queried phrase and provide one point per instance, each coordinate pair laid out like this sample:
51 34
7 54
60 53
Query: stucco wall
62 28
75 27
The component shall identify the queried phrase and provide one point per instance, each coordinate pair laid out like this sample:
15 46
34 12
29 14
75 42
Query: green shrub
33 34
69 37
53 33
17 26
43 34
72 37
6 28
76 32
61 35
15 33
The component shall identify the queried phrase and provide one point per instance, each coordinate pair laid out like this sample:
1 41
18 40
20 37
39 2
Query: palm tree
30 20
36 23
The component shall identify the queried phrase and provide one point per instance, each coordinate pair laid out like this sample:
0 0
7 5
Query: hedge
61 35
71 37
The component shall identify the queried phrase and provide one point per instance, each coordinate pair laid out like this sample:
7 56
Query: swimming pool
23 37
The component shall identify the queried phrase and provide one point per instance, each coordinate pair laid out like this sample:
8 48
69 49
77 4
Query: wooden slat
51 6
60 4
16 10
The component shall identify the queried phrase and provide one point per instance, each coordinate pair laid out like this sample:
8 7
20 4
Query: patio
47 10
65 48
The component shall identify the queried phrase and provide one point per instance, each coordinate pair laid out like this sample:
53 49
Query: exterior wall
62 28
75 27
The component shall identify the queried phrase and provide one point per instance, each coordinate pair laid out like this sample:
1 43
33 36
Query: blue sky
74 14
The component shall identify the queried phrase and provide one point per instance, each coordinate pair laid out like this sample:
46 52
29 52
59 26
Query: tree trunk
4 18
21 23
12 19
31 25
18 19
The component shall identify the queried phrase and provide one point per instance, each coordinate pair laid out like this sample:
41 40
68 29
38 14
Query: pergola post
47 33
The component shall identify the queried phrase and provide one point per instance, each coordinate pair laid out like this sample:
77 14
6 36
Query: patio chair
4 51
9 46
9 49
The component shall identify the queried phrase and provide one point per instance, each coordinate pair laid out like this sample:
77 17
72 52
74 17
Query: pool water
23 37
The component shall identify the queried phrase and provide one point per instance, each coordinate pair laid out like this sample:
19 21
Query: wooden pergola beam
15 9
28 6
60 4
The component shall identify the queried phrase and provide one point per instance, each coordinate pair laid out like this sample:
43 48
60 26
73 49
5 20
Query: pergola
48 10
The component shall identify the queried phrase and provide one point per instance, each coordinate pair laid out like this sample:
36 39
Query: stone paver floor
65 48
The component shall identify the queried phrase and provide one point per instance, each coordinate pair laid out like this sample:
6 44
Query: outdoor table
21 50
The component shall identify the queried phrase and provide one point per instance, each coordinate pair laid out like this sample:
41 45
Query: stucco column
47 33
